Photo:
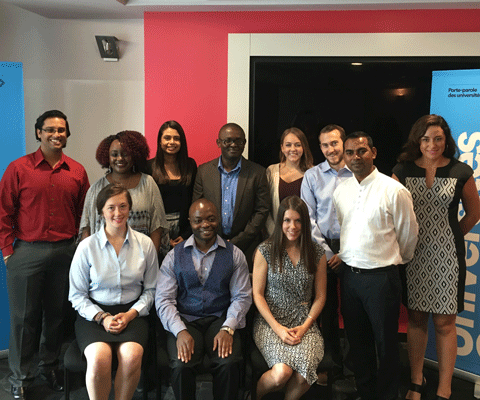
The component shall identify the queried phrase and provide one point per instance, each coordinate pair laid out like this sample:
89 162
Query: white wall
63 70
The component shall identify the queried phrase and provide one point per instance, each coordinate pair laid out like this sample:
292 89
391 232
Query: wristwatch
227 329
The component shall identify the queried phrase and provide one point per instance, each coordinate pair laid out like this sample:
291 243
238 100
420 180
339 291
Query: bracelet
309 316
102 317
6 257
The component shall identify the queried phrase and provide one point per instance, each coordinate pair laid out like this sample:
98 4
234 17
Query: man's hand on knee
185 346
224 341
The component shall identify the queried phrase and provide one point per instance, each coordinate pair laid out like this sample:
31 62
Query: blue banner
12 122
456 97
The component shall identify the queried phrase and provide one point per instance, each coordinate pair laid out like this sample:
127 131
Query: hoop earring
134 169
109 170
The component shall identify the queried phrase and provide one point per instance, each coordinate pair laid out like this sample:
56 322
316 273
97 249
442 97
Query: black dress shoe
18 392
54 380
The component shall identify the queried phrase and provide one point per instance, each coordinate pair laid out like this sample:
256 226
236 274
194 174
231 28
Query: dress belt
371 270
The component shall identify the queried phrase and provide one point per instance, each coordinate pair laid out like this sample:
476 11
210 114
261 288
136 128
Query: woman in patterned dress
125 157
435 278
289 270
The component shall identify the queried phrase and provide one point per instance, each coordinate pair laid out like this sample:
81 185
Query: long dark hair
158 166
277 240
411 149
306 161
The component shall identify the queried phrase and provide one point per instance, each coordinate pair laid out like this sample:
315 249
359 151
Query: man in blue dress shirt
318 186
203 295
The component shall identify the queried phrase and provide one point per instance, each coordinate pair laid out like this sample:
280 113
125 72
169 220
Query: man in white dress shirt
378 233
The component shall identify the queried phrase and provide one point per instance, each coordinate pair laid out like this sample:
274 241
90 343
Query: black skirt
88 332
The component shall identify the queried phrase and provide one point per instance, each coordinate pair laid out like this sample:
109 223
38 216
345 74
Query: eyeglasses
229 142
53 130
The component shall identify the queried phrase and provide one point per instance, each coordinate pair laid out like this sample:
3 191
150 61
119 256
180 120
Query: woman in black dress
174 172
435 278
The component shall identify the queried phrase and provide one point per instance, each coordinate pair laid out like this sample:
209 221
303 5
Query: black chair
203 370
163 362
74 362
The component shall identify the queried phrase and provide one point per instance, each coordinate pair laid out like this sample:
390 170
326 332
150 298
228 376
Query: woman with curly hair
174 172
125 157
435 278
285 178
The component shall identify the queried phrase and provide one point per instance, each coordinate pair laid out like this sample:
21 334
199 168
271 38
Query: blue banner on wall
12 146
456 97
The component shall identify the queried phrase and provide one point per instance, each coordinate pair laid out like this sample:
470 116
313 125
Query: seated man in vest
203 295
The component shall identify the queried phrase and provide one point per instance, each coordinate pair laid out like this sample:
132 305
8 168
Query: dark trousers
329 317
370 308
225 371
37 282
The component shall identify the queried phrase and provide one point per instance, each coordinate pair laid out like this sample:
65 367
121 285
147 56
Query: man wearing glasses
238 188
41 200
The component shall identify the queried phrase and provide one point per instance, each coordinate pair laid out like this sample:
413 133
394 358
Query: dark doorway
383 96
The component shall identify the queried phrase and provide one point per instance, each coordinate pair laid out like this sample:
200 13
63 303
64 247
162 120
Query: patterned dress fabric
436 275
289 296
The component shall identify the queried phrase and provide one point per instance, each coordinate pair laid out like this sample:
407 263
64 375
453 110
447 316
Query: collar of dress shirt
325 167
369 179
38 158
238 167
190 242
102 236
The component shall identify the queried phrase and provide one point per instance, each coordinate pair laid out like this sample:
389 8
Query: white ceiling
106 9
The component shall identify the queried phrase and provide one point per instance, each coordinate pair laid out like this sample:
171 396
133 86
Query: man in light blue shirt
318 186
203 295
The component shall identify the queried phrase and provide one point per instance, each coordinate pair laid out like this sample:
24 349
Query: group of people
160 235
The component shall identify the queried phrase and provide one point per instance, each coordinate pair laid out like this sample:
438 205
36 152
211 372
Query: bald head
201 204
204 222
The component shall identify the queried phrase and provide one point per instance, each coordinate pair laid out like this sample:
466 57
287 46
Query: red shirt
41 203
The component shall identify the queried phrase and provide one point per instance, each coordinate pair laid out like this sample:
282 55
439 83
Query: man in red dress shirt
41 201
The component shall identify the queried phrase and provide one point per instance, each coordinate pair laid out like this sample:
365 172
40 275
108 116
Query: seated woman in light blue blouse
112 287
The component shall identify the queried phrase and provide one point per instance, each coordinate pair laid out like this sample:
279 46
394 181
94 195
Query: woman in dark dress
174 172
435 278
285 178
112 287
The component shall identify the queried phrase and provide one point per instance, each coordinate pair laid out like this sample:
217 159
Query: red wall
186 58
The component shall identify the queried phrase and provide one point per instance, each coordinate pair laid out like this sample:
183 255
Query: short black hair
360 134
50 114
